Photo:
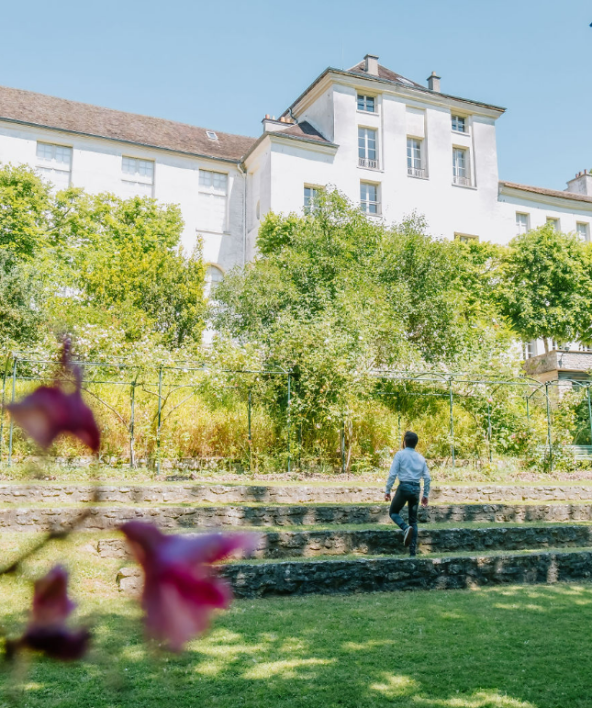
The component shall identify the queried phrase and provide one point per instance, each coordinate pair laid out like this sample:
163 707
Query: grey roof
60 114
304 131
547 192
390 77
386 74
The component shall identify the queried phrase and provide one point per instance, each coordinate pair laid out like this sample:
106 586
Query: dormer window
366 103
211 135
459 124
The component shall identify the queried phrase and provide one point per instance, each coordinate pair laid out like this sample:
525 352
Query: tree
102 262
24 204
546 286
21 303
334 296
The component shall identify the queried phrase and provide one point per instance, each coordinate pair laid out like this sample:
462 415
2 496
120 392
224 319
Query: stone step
336 542
250 580
280 494
102 517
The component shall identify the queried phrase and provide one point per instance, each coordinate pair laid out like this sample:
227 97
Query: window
138 176
459 124
415 158
367 153
530 349
366 103
583 231
466 238
213 189
369 198
460 167
214 276
522 223
54 162
310 197
211 135
553 222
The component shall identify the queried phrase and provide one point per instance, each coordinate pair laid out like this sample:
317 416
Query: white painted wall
478 210
96 167
279 167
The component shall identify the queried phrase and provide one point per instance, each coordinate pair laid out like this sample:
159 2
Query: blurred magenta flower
181 589
50 410
47 631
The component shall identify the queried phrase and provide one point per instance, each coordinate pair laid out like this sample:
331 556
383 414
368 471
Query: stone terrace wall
175 517
294 544
230 494
392 574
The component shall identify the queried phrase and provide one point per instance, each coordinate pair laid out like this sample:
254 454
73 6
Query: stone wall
176 517
230 494
392 574
295 544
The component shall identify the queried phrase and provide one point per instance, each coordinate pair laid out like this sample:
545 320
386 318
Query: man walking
410 467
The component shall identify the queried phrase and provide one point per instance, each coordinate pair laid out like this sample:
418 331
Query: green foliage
107 269
21 301
546 288
24 200
335 296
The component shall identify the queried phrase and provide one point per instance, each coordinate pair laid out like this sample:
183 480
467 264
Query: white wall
449 209
96 167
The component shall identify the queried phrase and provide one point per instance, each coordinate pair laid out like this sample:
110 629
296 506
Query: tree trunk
546 341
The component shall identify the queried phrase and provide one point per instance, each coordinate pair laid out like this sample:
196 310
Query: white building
389 143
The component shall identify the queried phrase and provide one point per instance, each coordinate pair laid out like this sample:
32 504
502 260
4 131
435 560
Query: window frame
585 233
466 179
466 238
365 161
210 190
369 203
366 96
314 192
50 166
556 222
419 172
465 120
208 283
527 229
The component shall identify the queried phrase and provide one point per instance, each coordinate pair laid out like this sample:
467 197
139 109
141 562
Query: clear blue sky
223 64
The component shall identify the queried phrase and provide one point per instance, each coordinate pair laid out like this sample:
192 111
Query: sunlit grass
490 648
513 647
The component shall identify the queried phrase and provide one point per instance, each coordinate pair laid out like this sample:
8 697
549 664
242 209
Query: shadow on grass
515 647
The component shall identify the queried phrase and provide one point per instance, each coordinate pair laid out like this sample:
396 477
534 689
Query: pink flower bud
47 631
181 589
50 411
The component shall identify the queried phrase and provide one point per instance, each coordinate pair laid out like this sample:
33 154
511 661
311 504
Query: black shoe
408 535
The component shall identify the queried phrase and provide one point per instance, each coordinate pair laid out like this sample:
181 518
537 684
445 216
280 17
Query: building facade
388 143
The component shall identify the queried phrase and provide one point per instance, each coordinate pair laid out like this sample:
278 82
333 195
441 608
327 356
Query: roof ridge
115 110
546 191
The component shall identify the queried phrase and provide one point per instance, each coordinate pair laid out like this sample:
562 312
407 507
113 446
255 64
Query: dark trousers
407 493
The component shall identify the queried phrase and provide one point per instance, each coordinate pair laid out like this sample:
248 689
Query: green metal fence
183 379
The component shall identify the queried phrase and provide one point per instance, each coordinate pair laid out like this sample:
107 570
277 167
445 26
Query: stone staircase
331 539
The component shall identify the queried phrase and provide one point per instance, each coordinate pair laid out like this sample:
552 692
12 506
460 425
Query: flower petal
49 411
57 642
51 605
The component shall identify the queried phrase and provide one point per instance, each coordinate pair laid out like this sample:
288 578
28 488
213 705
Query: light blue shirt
409 466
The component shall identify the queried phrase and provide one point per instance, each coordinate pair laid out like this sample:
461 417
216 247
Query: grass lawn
502 472
513 647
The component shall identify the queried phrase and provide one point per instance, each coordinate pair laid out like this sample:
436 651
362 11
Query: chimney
271 125
581 184
371 65
434 82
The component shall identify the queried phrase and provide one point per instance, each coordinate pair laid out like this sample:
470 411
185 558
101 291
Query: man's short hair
411 439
